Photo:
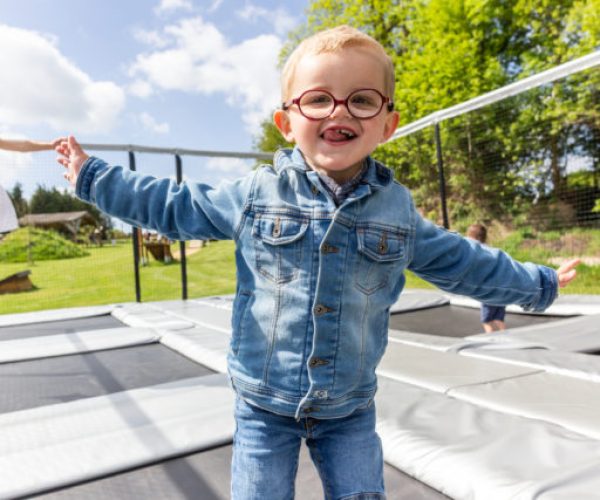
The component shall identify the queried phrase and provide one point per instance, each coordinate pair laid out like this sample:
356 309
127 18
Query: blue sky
195 74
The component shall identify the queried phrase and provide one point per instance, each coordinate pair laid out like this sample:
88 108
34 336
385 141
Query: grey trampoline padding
436 342
218 301
146 316
53 446
59 327
176 315
571 364
564 305
413 300
203 345
570 402
441 371
39 382
54 315
202 313
73 343
579 334
470 452
207 476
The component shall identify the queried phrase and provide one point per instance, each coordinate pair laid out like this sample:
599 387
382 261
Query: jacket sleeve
462 266
178 211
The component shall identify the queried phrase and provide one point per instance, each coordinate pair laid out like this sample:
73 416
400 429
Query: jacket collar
377 176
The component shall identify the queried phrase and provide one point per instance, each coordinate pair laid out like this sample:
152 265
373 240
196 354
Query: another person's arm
27 146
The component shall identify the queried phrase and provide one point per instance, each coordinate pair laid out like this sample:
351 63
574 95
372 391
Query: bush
37 244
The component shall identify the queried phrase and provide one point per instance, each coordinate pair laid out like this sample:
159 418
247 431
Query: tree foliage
46 201
502 158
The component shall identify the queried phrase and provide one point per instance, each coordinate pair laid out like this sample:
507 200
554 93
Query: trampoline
131 401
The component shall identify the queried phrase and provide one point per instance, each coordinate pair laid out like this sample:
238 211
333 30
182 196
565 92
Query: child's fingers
566 272
568 265
74 145
565 278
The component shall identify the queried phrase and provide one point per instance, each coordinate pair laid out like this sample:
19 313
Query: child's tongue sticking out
338 135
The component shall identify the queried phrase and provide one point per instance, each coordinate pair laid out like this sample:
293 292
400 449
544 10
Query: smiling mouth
338 135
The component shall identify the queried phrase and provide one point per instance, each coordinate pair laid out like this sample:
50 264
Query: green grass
37 244
106 275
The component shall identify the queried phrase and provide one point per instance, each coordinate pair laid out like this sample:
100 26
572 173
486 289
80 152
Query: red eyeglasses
319 104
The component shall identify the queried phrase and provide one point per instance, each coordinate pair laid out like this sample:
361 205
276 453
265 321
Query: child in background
322 241
492 317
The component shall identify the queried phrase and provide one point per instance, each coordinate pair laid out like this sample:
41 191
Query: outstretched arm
27 146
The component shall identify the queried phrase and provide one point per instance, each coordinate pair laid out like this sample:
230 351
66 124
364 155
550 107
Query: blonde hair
335 40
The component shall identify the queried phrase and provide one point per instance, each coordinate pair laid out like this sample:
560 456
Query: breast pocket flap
382 245
279 230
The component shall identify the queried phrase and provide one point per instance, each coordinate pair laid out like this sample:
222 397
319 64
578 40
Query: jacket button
315 190
329 248
321 309
317 362
310 409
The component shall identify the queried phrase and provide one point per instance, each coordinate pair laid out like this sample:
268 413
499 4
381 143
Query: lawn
106 276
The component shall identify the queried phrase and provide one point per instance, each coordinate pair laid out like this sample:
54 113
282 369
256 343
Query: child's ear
391 123
282 122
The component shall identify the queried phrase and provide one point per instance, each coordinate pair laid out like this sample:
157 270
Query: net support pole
442 180
182 257
136 243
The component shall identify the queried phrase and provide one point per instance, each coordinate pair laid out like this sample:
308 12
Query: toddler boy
322 241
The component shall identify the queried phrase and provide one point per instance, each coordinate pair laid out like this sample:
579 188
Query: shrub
37 244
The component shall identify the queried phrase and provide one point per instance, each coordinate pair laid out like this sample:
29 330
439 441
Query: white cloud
172 5
14 166
215 5
150 123
279 18
198 58
229 168
45 87
140 88
151 38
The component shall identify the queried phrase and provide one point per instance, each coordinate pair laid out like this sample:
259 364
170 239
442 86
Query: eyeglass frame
384 100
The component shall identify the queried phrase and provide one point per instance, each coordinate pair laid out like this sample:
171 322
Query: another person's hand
72 157
566 272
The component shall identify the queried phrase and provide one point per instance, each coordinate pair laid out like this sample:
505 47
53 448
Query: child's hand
72 158
566 272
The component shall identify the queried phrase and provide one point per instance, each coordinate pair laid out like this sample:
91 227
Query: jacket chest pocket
381 254
278 243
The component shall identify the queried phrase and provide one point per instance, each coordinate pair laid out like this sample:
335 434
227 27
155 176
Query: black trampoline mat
58 327
206 476
456 321
40 382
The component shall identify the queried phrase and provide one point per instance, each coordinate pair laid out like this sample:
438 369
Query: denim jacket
315 282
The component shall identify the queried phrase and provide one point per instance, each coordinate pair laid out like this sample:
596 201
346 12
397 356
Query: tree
19 202
271 139
503 156
45 201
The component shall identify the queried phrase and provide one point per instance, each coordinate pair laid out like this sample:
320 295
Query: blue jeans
346 451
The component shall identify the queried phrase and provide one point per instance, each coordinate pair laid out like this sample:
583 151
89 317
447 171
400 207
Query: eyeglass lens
318 104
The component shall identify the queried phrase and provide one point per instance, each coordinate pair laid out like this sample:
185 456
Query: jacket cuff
548 290
84 188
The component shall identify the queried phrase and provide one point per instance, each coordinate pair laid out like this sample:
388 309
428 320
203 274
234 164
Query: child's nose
340 111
